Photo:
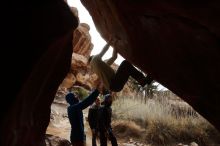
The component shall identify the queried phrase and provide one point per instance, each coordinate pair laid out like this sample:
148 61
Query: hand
110 38
113 39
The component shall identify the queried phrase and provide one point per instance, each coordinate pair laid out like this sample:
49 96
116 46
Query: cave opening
136 115
184 36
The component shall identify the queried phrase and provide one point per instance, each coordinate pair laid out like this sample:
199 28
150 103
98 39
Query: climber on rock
111 80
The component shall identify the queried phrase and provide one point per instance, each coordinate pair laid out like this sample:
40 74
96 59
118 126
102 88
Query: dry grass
160 123
124 128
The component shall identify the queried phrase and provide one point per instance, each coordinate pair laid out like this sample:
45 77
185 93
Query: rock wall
176 41
80 73
38 41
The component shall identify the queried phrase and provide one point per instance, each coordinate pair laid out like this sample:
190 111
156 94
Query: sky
97 40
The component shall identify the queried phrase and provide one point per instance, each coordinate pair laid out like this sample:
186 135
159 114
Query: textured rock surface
56 141
82 40
176 41
80 73
38 41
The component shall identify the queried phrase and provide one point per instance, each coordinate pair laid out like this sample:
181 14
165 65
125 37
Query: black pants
94 136
104 135
78 142
122 74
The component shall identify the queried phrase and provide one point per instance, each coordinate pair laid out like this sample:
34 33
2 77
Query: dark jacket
75 116
93 116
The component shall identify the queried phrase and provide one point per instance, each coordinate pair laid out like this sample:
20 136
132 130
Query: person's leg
112 138
121 77
148 79
122 74
94 139
79 143
103 138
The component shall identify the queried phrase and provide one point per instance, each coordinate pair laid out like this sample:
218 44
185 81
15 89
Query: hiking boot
147 80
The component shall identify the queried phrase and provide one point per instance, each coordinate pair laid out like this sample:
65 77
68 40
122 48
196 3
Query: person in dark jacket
93 119
75 115
104 122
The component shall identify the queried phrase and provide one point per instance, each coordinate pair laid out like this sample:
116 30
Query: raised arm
111 60
105 49
89 100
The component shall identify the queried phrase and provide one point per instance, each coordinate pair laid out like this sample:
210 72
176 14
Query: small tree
149 91
144 92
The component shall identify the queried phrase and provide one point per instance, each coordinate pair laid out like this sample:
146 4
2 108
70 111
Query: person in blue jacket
75 115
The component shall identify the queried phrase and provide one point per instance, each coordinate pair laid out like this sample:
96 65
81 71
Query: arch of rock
177 41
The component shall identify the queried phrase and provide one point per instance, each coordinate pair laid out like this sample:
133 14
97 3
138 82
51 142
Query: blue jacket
75 116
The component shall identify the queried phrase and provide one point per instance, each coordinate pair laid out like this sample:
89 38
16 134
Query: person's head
71 98
107 100
98 101
90 58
